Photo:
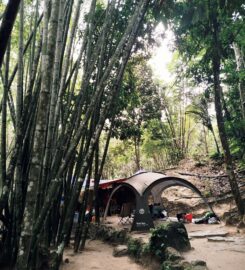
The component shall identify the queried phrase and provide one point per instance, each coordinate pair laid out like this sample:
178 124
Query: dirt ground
220 255
226 255
98 256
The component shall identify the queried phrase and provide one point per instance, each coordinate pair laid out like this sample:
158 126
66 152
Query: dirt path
98 256
225 255
217 255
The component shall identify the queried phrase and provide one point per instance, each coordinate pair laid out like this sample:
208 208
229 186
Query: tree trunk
18 209
6 247
137 152
205 140
3 153
240 67
215 140
49 39
99 174
7 25
216 59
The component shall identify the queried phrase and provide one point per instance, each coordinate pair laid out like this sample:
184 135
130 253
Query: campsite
122 134
219 245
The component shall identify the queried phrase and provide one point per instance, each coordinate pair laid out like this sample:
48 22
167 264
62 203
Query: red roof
104 184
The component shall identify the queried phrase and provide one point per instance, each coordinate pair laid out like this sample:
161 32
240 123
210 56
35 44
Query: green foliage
171 234
158 143
190 18
216 156
235 124
134 248
138 250
108 234
169 265
145 250
119 160
139 100
156 244
241 165
199 109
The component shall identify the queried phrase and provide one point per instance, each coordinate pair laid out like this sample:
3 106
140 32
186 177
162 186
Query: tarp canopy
155 183
145 183
104 183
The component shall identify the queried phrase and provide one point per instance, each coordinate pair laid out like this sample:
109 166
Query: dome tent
145 183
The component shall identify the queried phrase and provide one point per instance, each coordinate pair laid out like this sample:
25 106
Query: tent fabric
145 183
142 181
104 183
157 182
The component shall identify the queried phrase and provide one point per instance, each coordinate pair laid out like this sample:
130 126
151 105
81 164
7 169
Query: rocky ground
220 246
210 178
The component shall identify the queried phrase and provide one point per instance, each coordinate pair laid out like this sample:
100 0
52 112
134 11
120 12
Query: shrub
135 248
171 234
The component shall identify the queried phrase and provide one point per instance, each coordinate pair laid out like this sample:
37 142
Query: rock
172 254
241 225
66 260
169 265
198 263
170 234
230 219
185 264
208 234
197 267
220 239
107 234
120 250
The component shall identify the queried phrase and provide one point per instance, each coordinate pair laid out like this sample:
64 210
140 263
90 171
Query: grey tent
146 183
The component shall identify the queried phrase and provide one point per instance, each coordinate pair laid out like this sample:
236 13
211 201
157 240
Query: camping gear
125 214
188 218
181 216
213 220
158 211
184 217
208 218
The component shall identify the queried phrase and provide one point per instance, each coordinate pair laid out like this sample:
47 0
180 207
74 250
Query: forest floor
98 256
225 254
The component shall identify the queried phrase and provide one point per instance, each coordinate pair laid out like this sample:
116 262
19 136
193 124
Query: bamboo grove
65 66
59 90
